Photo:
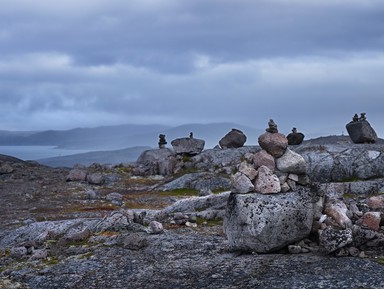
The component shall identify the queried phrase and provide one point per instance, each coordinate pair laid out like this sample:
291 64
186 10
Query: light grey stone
291 162
191 146
266 223
241 184
248 170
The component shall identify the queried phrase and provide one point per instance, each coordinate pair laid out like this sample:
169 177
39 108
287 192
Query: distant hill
103 157
124 136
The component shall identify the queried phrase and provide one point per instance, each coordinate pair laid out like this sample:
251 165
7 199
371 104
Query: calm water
37 152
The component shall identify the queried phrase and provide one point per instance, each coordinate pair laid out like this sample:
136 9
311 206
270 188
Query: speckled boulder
266 223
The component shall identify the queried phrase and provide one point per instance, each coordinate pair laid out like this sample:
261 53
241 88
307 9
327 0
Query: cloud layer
309 64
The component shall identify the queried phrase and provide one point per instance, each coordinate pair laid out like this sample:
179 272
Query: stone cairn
360 130
162 141
295 138
270 205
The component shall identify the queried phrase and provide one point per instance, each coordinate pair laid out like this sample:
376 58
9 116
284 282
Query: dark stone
162 141
361 132
295 138
234 139
272 127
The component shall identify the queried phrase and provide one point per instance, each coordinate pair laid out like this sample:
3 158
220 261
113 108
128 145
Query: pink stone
372 220
274 143
266 182
262 158
376 202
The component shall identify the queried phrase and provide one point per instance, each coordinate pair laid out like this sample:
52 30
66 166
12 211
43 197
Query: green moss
349 196
186 158
183 192
380 260
211 223
219 190
51 261
350 180
85 255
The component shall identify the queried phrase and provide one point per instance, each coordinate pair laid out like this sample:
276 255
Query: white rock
291 162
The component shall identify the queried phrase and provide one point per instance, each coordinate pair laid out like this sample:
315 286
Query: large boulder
188 145
234 139
156 162
267 223
274 143
361 132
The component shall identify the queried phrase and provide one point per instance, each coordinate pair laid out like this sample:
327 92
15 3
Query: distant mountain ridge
124 136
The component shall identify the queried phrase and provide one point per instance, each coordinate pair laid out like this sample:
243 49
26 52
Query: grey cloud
98 62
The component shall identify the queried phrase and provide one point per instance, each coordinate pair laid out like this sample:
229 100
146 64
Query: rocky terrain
158 223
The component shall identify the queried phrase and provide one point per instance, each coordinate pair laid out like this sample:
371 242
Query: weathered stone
189 146
39 254
134 241
156 227
6 168
234 139
75 174
376 202
247 170
157 162
263 158
295 138
114 197
266 182
291 162
372 220
18 252
331 239
274 143
90 195
361 132
338 211
266 223
285 188
241 184
96 179
294 249
363 235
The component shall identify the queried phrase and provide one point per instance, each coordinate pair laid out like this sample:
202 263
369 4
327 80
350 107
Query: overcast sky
310 64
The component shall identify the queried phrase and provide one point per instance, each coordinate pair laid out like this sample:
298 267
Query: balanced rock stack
270 206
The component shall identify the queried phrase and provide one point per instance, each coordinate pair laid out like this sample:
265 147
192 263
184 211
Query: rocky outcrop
188 146
337 159
156 162
234 139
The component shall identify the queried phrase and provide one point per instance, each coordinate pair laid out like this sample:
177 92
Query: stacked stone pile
269 207
274 169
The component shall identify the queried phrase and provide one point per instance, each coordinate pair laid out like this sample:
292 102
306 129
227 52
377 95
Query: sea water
37 152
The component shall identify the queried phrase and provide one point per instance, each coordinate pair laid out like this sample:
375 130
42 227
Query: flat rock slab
198 261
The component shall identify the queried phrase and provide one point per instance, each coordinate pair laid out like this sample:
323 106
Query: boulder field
267 216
